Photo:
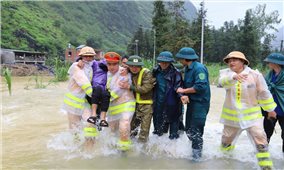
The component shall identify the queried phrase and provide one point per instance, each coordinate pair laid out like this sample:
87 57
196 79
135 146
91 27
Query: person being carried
100 96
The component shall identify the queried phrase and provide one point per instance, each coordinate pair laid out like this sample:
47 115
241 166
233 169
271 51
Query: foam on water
161 147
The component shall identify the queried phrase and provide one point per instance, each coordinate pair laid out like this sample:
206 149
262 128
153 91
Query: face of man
135 69
113 67
236 65
272 66
164 65
183 62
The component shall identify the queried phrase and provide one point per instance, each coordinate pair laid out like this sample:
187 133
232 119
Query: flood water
35 136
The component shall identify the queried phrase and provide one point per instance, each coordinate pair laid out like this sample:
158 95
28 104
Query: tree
195 33
179 35
160 21
94 42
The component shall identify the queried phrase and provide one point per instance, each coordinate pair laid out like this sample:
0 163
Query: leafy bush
61 70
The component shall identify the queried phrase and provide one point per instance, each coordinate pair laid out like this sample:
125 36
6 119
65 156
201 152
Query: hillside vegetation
50 26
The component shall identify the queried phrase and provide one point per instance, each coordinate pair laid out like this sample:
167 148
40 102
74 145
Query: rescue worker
167 103
197 96
142 85
79 86
246 92
275 82
122 101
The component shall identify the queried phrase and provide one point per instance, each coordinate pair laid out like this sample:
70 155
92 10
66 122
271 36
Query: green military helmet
276 58
186 53
165 56
135 60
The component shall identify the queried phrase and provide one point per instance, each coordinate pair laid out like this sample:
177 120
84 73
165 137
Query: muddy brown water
35 136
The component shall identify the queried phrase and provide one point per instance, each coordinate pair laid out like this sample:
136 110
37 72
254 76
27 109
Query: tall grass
61 70
8 78
213 70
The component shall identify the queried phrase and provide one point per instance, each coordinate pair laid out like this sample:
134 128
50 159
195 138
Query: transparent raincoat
79 86
122 101
244 99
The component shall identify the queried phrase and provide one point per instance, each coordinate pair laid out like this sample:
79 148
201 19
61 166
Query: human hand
180 90
123 84
80 64
271 115
240 77
184 99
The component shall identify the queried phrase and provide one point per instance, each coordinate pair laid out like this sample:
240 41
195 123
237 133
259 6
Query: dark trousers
174 127
162 126
101 97
195 133
269 127
195 122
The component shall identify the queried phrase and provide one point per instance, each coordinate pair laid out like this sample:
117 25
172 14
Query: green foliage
245 36
160 22
39 83
61 70
148 63
8 78
145 43
213 70
49 26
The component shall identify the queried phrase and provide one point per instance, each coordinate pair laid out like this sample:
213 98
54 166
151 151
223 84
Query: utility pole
202 32
154 53
281 46
136 43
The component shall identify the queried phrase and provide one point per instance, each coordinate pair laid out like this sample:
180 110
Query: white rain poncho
243 100
122 101
78 87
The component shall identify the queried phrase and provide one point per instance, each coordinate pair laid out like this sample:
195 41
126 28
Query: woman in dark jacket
275 82
167 103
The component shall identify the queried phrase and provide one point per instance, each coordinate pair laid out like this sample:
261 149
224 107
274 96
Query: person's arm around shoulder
78 75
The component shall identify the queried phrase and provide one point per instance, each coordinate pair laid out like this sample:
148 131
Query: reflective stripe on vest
120 108
139 81
267 104
246 114
87 88
74 101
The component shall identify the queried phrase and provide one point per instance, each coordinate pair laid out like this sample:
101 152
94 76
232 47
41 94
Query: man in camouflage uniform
142 86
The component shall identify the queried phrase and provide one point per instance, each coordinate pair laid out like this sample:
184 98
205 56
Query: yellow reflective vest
243 100
78 87
121 100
